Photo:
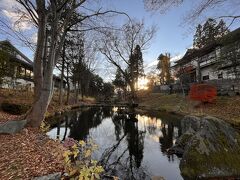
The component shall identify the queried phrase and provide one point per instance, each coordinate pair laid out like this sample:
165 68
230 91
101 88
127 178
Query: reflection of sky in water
153 137
53 133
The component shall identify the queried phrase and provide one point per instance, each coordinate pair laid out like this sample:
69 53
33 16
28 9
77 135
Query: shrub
203 92
78 162
15 109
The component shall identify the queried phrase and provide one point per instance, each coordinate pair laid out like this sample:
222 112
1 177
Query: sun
143 83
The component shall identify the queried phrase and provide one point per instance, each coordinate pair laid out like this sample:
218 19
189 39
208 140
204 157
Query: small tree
107 91
120 84
164 67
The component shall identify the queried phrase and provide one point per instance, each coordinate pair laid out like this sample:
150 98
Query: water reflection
129 149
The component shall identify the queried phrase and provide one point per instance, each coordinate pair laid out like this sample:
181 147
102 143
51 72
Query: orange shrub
203 92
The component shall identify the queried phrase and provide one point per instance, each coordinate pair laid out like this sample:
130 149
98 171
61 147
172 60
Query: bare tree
199 9
118 47
53 19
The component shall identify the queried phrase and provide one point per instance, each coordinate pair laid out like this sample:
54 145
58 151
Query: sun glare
143 83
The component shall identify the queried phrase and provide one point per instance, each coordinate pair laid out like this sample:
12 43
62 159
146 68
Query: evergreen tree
164 67
209 32
222 28
197 39
136 65
119 80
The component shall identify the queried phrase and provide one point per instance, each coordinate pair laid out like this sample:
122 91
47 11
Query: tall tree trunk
45 91
39 54
36 112
132 88
68 85
36 116
62 76
68 92
76 93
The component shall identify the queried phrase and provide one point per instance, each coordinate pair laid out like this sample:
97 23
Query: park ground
31 153
224 107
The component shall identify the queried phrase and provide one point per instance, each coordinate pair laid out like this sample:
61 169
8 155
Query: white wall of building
17 83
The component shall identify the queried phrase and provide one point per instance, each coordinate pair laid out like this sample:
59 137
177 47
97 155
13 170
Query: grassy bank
25 99
225 107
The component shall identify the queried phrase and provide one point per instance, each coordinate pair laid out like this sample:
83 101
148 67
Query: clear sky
172 36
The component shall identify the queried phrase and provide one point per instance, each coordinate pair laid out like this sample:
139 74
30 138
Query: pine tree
119 80
222 28
209 32
136 65
197 39
164 66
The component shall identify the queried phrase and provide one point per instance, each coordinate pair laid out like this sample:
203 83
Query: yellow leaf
97 176
82 143
88 153
75 153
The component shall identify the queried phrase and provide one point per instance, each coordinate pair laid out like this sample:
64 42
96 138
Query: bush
78 162
203 92
15 109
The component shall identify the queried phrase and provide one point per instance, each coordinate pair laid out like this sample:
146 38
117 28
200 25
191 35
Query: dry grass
227 108
26 97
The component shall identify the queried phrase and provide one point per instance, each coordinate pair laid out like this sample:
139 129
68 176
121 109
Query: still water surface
136 150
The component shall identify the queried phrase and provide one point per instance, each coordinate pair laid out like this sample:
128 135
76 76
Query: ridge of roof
19 52
229 38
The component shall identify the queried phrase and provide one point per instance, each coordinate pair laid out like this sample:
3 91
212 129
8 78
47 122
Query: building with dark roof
218 60
22 67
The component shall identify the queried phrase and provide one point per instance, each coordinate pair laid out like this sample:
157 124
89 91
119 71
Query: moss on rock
211 150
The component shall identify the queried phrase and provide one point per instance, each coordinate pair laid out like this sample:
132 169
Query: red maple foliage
203 92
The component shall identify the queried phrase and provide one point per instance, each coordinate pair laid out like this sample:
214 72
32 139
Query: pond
135 149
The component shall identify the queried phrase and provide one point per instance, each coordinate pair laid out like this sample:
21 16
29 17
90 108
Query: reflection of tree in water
117 120
129 164
124 158
107 112
66 127
81 123
60 120
151 129
166 140
135 139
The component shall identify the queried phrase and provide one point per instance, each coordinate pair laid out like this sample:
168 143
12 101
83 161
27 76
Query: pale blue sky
171 36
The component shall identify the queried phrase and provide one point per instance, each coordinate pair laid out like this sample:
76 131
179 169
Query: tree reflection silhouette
135 139
166 140
81 123
126 138
118 124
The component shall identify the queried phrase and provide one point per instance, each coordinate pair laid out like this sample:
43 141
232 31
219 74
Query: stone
12 127
210 148
54 176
